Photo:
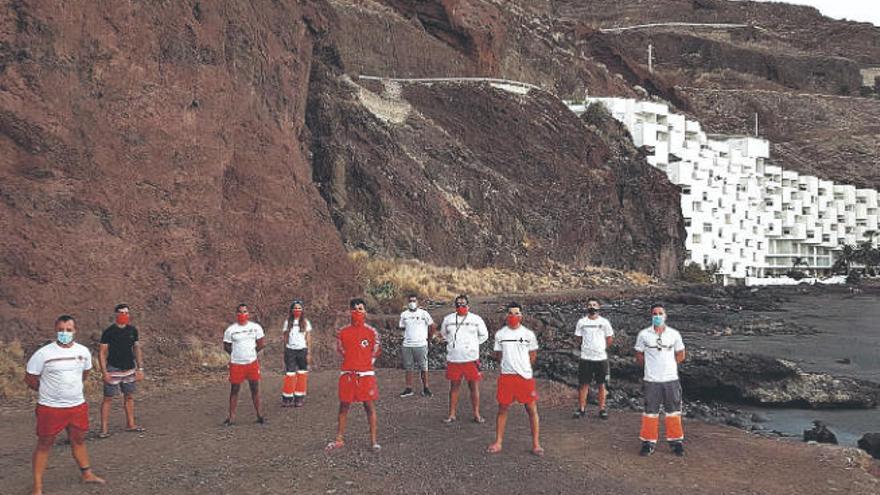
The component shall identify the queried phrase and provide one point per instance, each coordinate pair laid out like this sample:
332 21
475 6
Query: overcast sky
854 10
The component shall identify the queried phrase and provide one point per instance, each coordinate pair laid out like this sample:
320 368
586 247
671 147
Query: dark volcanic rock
820 433
738 377
473 174
870 443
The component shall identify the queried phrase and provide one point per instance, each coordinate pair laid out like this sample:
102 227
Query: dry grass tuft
390 280
12 363
203 355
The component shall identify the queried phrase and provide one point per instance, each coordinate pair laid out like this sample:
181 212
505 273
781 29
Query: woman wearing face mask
297 338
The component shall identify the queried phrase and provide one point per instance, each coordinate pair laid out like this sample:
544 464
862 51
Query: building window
707 227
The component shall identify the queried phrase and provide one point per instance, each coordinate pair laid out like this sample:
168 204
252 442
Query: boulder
870 443
820 433
750 378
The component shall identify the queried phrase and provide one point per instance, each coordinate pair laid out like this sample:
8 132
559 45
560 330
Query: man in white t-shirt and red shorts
418 327
660 349
596 336
463 332
242 341
57 372
516 347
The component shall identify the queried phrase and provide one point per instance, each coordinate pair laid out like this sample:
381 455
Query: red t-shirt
358 346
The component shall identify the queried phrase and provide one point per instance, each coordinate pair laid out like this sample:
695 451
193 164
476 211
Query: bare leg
534 422
105 414
500 424
370 409
454 389
343 417
81 455
40 460
475 398
233 401
255 397
424 378
409 378
583 392
128 405
602 394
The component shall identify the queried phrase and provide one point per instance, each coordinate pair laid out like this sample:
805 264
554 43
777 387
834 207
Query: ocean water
849 328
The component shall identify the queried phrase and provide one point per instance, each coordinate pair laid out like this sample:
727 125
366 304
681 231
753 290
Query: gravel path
186 450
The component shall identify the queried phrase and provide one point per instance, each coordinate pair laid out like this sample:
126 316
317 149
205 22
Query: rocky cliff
470 173
150 153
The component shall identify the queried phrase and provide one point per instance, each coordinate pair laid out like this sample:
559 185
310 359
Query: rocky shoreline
716 382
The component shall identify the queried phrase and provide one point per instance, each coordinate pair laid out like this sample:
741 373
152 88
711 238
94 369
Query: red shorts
51 420
469 370
515 388
355 388
241 372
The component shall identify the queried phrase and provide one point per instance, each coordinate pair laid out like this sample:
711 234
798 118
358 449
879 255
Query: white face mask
412 306
65 338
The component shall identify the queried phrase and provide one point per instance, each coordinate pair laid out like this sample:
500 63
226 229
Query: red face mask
358 318
513 321
242 318
122 319
297 313
461 310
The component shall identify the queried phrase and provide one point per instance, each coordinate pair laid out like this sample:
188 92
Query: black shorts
296 360
592 372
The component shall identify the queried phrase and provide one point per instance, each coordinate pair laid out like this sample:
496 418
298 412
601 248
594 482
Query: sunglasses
460 305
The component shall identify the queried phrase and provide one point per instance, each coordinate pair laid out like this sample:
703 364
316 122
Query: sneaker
427 392
603 414
647 449
407 392
299 401
286 401
677 448
579 413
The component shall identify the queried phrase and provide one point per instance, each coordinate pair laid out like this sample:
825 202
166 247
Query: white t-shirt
61 373
415 326
463 335
297 337
660 349
515 345
593 334
244 341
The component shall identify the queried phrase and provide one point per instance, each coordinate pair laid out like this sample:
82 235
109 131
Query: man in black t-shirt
122 364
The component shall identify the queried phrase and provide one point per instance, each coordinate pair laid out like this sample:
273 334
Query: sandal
493 449
480 420
136 429
538 452
102 435
376 447
334 445
450 420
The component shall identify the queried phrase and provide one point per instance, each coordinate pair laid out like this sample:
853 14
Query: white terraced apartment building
755 221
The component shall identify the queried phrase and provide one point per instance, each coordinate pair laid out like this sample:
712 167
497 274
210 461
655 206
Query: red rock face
150 153
473 27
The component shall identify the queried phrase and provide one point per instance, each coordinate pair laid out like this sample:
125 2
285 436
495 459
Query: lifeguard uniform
61 404
516 381
463 335
296 353
661 385
243 363
359 346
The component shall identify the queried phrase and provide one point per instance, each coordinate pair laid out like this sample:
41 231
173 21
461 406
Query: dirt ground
186 450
